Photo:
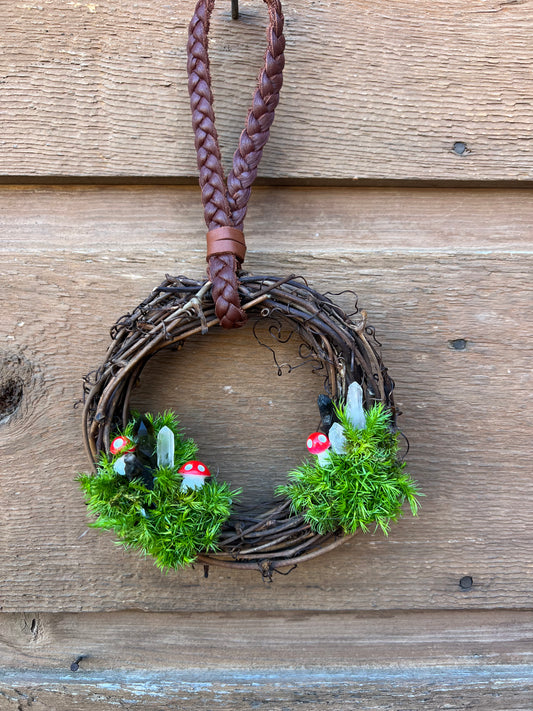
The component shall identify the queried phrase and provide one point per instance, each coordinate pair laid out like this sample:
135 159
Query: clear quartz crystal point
165 447
120 466
337 438
354 406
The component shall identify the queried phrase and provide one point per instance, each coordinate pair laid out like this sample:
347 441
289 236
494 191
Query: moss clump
171 525
366 485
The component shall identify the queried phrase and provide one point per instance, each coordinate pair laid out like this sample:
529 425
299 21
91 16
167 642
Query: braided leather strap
259 120
225 205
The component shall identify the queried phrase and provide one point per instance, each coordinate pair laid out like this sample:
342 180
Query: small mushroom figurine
121 445
194 474
318 443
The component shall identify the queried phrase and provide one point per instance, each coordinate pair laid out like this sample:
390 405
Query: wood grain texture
431 660
76 259
255 641
300 221
380 91
488 689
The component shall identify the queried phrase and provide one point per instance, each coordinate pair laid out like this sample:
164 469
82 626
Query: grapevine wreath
143 488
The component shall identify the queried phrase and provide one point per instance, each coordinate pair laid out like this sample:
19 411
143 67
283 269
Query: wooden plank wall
400 166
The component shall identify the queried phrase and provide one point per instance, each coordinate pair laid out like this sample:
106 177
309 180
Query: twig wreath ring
148 488
343 348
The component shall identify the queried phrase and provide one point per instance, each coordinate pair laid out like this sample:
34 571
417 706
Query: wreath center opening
248 408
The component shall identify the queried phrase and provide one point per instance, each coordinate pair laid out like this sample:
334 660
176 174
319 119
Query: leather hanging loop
225 204
226 240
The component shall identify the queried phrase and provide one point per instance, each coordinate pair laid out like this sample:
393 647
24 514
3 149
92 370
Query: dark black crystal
327 412
145 442
135 469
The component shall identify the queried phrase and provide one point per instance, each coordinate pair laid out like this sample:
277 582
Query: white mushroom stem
192 481
323 457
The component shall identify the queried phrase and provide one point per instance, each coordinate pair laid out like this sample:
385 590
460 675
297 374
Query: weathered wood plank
371 92
474 660
255 641
466 412
299 220
488 689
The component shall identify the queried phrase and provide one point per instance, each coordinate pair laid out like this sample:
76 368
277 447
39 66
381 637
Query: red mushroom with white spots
318 443
194 474
121 444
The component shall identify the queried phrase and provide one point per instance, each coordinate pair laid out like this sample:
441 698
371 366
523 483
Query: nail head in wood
460 148
75 664
466 582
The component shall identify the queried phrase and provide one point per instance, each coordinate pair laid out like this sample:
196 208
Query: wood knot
16 375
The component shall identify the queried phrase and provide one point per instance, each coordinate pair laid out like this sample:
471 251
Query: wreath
148 487
355 482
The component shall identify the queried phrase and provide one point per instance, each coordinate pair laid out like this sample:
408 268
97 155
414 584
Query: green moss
366 485
171 525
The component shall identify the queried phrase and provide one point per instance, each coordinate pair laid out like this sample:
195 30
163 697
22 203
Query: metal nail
76 664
